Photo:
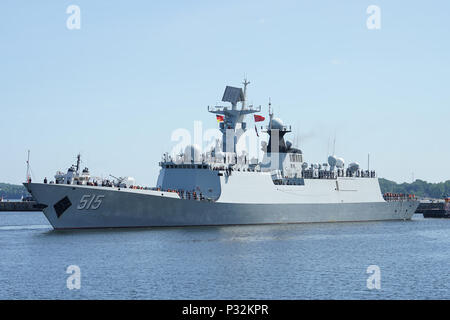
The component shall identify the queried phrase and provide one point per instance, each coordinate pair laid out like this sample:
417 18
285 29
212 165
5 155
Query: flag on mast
259 118
219 118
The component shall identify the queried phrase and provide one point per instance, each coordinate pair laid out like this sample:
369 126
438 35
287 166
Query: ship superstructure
224 187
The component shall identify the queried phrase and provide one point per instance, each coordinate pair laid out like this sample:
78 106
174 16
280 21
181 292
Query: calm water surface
304 261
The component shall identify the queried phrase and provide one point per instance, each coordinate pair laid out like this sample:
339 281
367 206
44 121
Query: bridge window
295 157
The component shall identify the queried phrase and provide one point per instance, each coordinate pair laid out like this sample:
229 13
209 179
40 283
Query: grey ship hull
141 209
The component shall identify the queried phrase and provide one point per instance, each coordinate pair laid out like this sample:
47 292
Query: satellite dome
354 166
332 161
340 163
192 153
304 165
277 123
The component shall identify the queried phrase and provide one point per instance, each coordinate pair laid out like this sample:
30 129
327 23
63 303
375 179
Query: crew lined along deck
310 173
191 195
389 196
184 194
277 178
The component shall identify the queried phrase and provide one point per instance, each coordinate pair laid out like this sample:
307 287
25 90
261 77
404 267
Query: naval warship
223 187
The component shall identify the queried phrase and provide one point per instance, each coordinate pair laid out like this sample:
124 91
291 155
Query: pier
19 206
435 209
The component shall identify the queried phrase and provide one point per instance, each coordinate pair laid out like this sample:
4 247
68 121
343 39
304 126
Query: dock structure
435 209
19 206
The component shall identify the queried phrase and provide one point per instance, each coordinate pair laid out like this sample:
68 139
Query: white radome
340 162
277 123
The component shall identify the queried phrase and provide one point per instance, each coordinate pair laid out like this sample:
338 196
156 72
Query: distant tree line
419 188
12 191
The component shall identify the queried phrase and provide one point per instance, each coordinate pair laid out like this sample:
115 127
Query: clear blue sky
137 70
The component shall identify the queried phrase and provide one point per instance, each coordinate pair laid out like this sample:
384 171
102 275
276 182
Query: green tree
12 191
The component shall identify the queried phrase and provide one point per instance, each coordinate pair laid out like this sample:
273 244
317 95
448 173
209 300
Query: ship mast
78 163
270 114
233 124
28 167
245 83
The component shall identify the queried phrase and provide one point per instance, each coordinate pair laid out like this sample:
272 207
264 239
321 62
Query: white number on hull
90 202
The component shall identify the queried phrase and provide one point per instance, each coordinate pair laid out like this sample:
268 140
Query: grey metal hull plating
133 209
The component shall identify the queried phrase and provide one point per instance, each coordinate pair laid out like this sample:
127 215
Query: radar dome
192 153
354 166
340 163
304 165
332 161
277 123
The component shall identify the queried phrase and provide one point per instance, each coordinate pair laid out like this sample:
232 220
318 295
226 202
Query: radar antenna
245 83
270 113
232 124
334 144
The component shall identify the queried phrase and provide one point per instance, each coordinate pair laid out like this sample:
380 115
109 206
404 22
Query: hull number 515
90 202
